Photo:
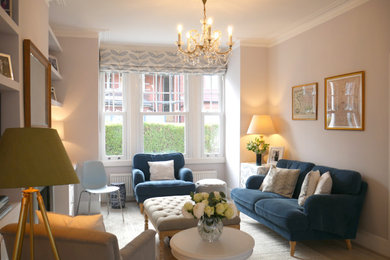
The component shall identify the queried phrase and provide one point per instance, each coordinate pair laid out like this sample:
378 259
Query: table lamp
32 157
260 124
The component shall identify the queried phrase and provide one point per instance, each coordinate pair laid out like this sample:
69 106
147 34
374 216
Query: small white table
233 244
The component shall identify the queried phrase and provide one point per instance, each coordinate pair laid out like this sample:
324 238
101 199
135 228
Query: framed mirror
37 80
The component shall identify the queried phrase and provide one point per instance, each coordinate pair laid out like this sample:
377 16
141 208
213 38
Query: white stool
209 185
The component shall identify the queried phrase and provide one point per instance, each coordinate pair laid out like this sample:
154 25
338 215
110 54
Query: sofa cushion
344 181
247 197
92 222
150 189
324 185
285 213
304 167
161 170
309 186
281 181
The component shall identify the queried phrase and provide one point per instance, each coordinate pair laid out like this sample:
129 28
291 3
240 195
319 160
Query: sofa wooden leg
146 221
349 245
292 247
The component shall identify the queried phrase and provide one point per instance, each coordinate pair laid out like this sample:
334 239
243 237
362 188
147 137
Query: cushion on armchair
161 170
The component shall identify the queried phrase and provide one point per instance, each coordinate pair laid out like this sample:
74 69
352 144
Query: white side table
249 169
233 244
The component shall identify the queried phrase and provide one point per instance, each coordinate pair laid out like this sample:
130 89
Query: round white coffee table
233 244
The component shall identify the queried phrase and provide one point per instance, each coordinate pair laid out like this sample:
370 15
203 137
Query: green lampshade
31 157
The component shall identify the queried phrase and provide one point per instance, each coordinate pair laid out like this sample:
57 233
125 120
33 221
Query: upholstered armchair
144 188
77 243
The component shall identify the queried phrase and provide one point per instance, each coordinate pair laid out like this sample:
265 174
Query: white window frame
221 114
103 113
133 120
185 113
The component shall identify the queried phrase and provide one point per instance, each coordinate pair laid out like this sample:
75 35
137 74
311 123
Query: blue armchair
144 188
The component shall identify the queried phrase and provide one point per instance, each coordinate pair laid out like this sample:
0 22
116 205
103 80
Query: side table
114 196
233 244
249 169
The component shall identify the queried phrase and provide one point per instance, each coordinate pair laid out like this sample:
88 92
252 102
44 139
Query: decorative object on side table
344 102
260 124
33 157
210 209
5 66
275 154
304 102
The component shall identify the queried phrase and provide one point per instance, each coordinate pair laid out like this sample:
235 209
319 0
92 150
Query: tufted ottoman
209 185
165 215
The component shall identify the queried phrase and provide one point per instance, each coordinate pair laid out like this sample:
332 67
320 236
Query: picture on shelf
5 66
53 62
7 6
53 93
275 154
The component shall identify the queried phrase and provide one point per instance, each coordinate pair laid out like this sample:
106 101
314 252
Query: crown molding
316 19
77 33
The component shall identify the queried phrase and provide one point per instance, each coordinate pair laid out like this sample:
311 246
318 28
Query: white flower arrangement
209 205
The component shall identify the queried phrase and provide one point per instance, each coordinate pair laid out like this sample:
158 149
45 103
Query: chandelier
205 45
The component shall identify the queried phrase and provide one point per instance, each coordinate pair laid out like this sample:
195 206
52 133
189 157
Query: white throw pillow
281 181
324 185
93 222
161 170
308 186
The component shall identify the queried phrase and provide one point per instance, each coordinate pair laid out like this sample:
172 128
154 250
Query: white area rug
268 244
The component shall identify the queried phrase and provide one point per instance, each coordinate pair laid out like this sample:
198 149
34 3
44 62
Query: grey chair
94 181
77 243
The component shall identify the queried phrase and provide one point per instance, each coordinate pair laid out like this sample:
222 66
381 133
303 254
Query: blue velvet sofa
144 188
333 216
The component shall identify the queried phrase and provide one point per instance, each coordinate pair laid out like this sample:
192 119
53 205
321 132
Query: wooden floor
268 244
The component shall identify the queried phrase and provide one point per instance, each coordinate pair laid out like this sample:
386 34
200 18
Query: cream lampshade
32 157
261 124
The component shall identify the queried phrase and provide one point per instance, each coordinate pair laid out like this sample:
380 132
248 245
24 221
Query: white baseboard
375 243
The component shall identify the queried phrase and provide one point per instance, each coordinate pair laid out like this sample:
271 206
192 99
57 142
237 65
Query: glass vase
210 229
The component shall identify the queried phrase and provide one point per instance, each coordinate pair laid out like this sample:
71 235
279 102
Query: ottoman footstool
210 185
165 215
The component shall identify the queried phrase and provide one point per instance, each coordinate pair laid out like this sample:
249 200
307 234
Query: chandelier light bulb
230 30
188 35
210 21
179 28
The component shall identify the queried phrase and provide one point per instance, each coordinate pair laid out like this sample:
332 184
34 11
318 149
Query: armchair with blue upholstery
144 188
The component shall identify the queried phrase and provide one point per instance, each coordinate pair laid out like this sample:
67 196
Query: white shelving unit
11 90
54 47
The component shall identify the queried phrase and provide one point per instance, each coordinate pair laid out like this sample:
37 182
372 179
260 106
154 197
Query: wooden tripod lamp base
27 207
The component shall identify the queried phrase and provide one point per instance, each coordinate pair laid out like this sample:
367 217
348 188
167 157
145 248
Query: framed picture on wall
344 102
304 102
7 6
5 66
53 61
275 154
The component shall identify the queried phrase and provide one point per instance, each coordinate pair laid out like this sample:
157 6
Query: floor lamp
33 157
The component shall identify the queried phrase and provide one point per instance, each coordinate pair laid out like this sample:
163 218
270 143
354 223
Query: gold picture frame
344 101
5 66
305 102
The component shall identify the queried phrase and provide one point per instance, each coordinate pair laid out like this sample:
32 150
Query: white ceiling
257 22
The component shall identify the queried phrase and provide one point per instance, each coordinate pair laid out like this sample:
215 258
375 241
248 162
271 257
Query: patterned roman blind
152 61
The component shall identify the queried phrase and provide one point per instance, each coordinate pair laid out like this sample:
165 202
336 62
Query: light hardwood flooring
268 244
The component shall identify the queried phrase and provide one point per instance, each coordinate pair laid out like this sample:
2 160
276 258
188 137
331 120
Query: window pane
113 92
114 134
211 93
212 134
166 92
164 134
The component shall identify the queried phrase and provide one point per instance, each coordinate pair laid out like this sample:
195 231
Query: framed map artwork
344 101
304 102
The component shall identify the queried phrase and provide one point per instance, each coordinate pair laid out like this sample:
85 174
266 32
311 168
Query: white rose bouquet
209 205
